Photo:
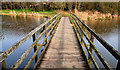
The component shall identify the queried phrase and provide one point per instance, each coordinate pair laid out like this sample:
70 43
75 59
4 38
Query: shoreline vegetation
84 15
20 12
84 10
89 15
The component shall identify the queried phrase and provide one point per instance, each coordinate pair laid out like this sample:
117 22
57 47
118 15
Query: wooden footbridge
64 46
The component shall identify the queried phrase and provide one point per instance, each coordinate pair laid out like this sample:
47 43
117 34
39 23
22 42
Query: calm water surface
13 29
108 30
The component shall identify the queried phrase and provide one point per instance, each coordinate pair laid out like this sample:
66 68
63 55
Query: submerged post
35 47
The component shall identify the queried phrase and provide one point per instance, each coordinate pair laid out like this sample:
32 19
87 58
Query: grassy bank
44 13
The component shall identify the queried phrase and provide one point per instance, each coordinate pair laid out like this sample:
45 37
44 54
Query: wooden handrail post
87 33
82 35
51 27
35 47
90 49
118 65
3 65
46 34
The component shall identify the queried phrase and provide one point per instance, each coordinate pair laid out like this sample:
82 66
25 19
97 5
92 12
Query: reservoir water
14 28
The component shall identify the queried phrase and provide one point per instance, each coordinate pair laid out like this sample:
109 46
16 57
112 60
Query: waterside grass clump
28 12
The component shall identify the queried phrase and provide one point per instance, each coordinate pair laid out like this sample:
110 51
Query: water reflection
18 26
108 30
102 27
13 29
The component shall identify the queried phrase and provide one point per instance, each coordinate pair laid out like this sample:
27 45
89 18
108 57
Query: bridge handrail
114 52
20 60
10 50
77 27
96 51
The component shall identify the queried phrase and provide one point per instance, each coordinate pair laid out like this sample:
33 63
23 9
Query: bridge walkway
63 51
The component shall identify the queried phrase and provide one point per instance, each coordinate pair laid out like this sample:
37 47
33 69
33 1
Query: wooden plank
46 46
76 29
78 38
65 60
63 64
63 47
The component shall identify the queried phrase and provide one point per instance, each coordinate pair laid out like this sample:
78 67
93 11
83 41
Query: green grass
46 13
8 11
29 10
66 15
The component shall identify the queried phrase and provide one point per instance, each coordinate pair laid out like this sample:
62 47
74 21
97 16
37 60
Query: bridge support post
87 33
46 34
3 65
90 49
35 47
82 35
51 28
118 65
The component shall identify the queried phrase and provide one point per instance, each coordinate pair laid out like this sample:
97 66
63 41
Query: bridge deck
63 51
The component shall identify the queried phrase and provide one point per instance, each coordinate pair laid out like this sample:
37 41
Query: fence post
118 65
35 47
50 27
82 35
3 65
90 49
87 33
45 33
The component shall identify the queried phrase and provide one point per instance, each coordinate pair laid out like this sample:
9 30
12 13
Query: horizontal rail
30 61
77 31
82 32
46 46
96 51
7 52
20 60
115 53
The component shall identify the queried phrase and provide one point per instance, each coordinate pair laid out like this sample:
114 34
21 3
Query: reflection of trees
19 25
103 26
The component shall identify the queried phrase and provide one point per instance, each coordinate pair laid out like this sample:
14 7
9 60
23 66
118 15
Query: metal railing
47 28
82 31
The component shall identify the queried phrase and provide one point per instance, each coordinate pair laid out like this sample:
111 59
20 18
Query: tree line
103 7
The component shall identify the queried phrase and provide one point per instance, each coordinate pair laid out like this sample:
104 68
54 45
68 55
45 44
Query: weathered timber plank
63 65
63 51
65 60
